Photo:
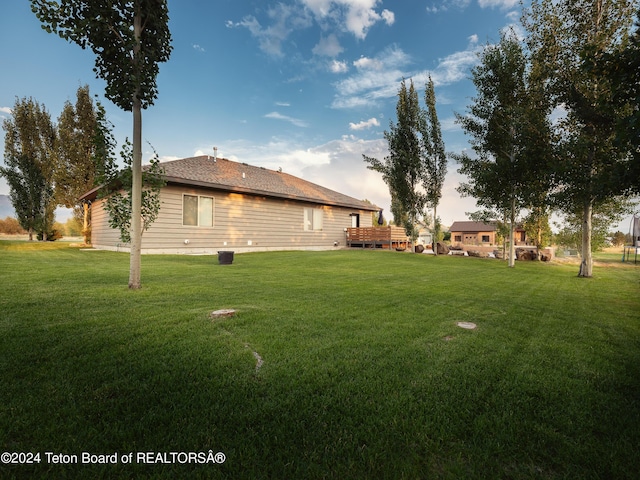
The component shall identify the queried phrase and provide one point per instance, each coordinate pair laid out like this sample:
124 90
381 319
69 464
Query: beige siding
101 233
472 238
241 223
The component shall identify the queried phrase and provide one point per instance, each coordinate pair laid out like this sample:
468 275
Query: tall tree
28 189
403 169
30 159
623 69
129 38
566 38
504 122
76 169
536 225
436 159
605 215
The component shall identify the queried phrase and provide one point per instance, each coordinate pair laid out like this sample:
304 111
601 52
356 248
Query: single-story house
481 233
473 233
211 204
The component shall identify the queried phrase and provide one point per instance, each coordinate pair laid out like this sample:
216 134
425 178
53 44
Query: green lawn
365 373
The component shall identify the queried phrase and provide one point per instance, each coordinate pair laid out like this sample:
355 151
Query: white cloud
306 157
353 16
320 8
338 67
454 67
446 5
449 125
295 121
169 158
198 48
379 77
283 104
375 78
6 110
283 19
372 122
502 4
365 63
360 18
388 16
328 47
346 172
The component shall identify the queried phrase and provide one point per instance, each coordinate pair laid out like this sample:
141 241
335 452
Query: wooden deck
378 237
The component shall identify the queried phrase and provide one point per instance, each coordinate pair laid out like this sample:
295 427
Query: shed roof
223 174
472 227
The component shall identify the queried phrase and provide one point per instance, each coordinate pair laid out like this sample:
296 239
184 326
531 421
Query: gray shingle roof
223 174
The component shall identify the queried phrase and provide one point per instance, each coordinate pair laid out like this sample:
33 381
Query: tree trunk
136 177
435 232
504 240
512 221
538 238
586 265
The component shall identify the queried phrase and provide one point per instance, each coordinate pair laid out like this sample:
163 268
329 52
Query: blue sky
303 85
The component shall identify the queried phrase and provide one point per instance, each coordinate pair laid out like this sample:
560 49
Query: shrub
11 226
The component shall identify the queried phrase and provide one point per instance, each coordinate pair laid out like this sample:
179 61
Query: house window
197 211
485 238
458 238
313 219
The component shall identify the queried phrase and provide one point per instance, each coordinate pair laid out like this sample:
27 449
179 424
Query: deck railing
374 237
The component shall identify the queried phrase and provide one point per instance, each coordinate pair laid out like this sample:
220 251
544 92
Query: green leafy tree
618 239
76 165
118 192
403 169
71 228
605 215
507 124
29 157
566 38
623 70
436 159
536 226
29 192
129 38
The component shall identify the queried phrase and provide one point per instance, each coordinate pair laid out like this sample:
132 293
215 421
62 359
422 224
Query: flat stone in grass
225 312
466 325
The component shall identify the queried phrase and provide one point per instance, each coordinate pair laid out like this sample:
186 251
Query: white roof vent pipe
215 154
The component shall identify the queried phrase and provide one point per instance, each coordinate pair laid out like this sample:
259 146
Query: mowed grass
364 372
